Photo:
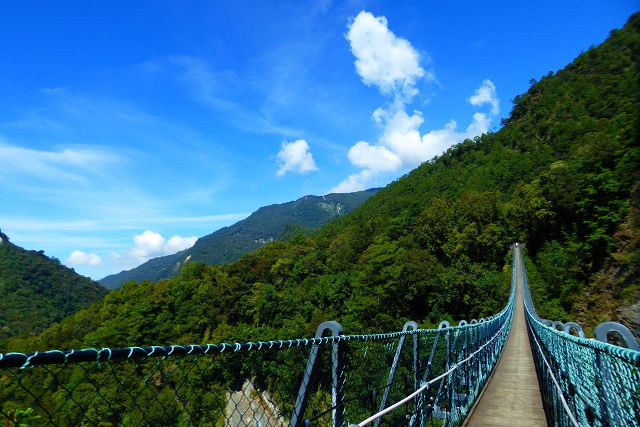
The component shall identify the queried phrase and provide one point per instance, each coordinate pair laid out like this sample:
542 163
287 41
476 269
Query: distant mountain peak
267 224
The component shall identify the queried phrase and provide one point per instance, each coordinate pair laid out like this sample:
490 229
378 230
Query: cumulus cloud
486 94
149 245
437 141
401 135
355 182
401 146
393 65
295 157
178 243
373 157
82 258
383 59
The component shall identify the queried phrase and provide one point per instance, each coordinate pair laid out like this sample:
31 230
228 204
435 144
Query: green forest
36 291
560 175
275 222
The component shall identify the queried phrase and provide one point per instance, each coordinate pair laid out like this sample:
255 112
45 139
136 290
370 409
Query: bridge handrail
505 316
627 354
105 354
584 381
438 356
435 380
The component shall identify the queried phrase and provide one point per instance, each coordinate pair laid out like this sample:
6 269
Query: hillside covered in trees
269 223
36 291
561 175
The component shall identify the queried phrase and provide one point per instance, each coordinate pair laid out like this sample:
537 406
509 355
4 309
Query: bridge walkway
512 397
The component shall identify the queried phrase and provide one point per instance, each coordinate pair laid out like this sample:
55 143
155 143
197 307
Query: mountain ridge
37 291
274 222
433 244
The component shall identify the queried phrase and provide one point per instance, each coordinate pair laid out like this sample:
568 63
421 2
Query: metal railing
584 381
330 379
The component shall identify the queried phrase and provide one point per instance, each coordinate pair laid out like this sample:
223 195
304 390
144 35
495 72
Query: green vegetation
431 245
36 291
270 223
561 175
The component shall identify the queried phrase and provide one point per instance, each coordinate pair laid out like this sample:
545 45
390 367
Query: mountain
562 175
36 291
269 223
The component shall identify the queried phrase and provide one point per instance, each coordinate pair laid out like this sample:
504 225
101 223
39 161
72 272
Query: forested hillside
36 291
269 223
561 175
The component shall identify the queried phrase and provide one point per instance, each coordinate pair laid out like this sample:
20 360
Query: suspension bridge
513 394
512 368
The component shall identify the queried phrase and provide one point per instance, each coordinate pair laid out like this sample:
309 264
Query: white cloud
373 157
392 64
82 258
486 94
383 59
295 157
402 136
401 146
355 182
149 245
178 243
438 141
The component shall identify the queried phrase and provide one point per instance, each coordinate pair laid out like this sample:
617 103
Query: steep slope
267 224
558 175
562 174
36 291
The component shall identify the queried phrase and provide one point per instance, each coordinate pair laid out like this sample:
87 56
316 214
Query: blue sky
129 128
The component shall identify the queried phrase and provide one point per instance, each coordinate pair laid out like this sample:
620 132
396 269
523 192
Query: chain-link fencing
584 381
330 379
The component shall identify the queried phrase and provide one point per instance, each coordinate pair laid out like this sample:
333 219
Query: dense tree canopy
269 223
36 291
559 175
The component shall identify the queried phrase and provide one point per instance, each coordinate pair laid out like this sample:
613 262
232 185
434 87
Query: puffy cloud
437 141
373 157
355 182
82 258
178 243
149 245
486 94
383 59
393 65
401 135
401 144
295 157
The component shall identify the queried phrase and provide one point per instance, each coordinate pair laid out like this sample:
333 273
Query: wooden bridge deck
512 397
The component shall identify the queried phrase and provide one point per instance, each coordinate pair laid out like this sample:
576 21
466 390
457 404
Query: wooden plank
512 397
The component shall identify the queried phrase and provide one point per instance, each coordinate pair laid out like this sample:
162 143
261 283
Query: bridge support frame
414 326
337 376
